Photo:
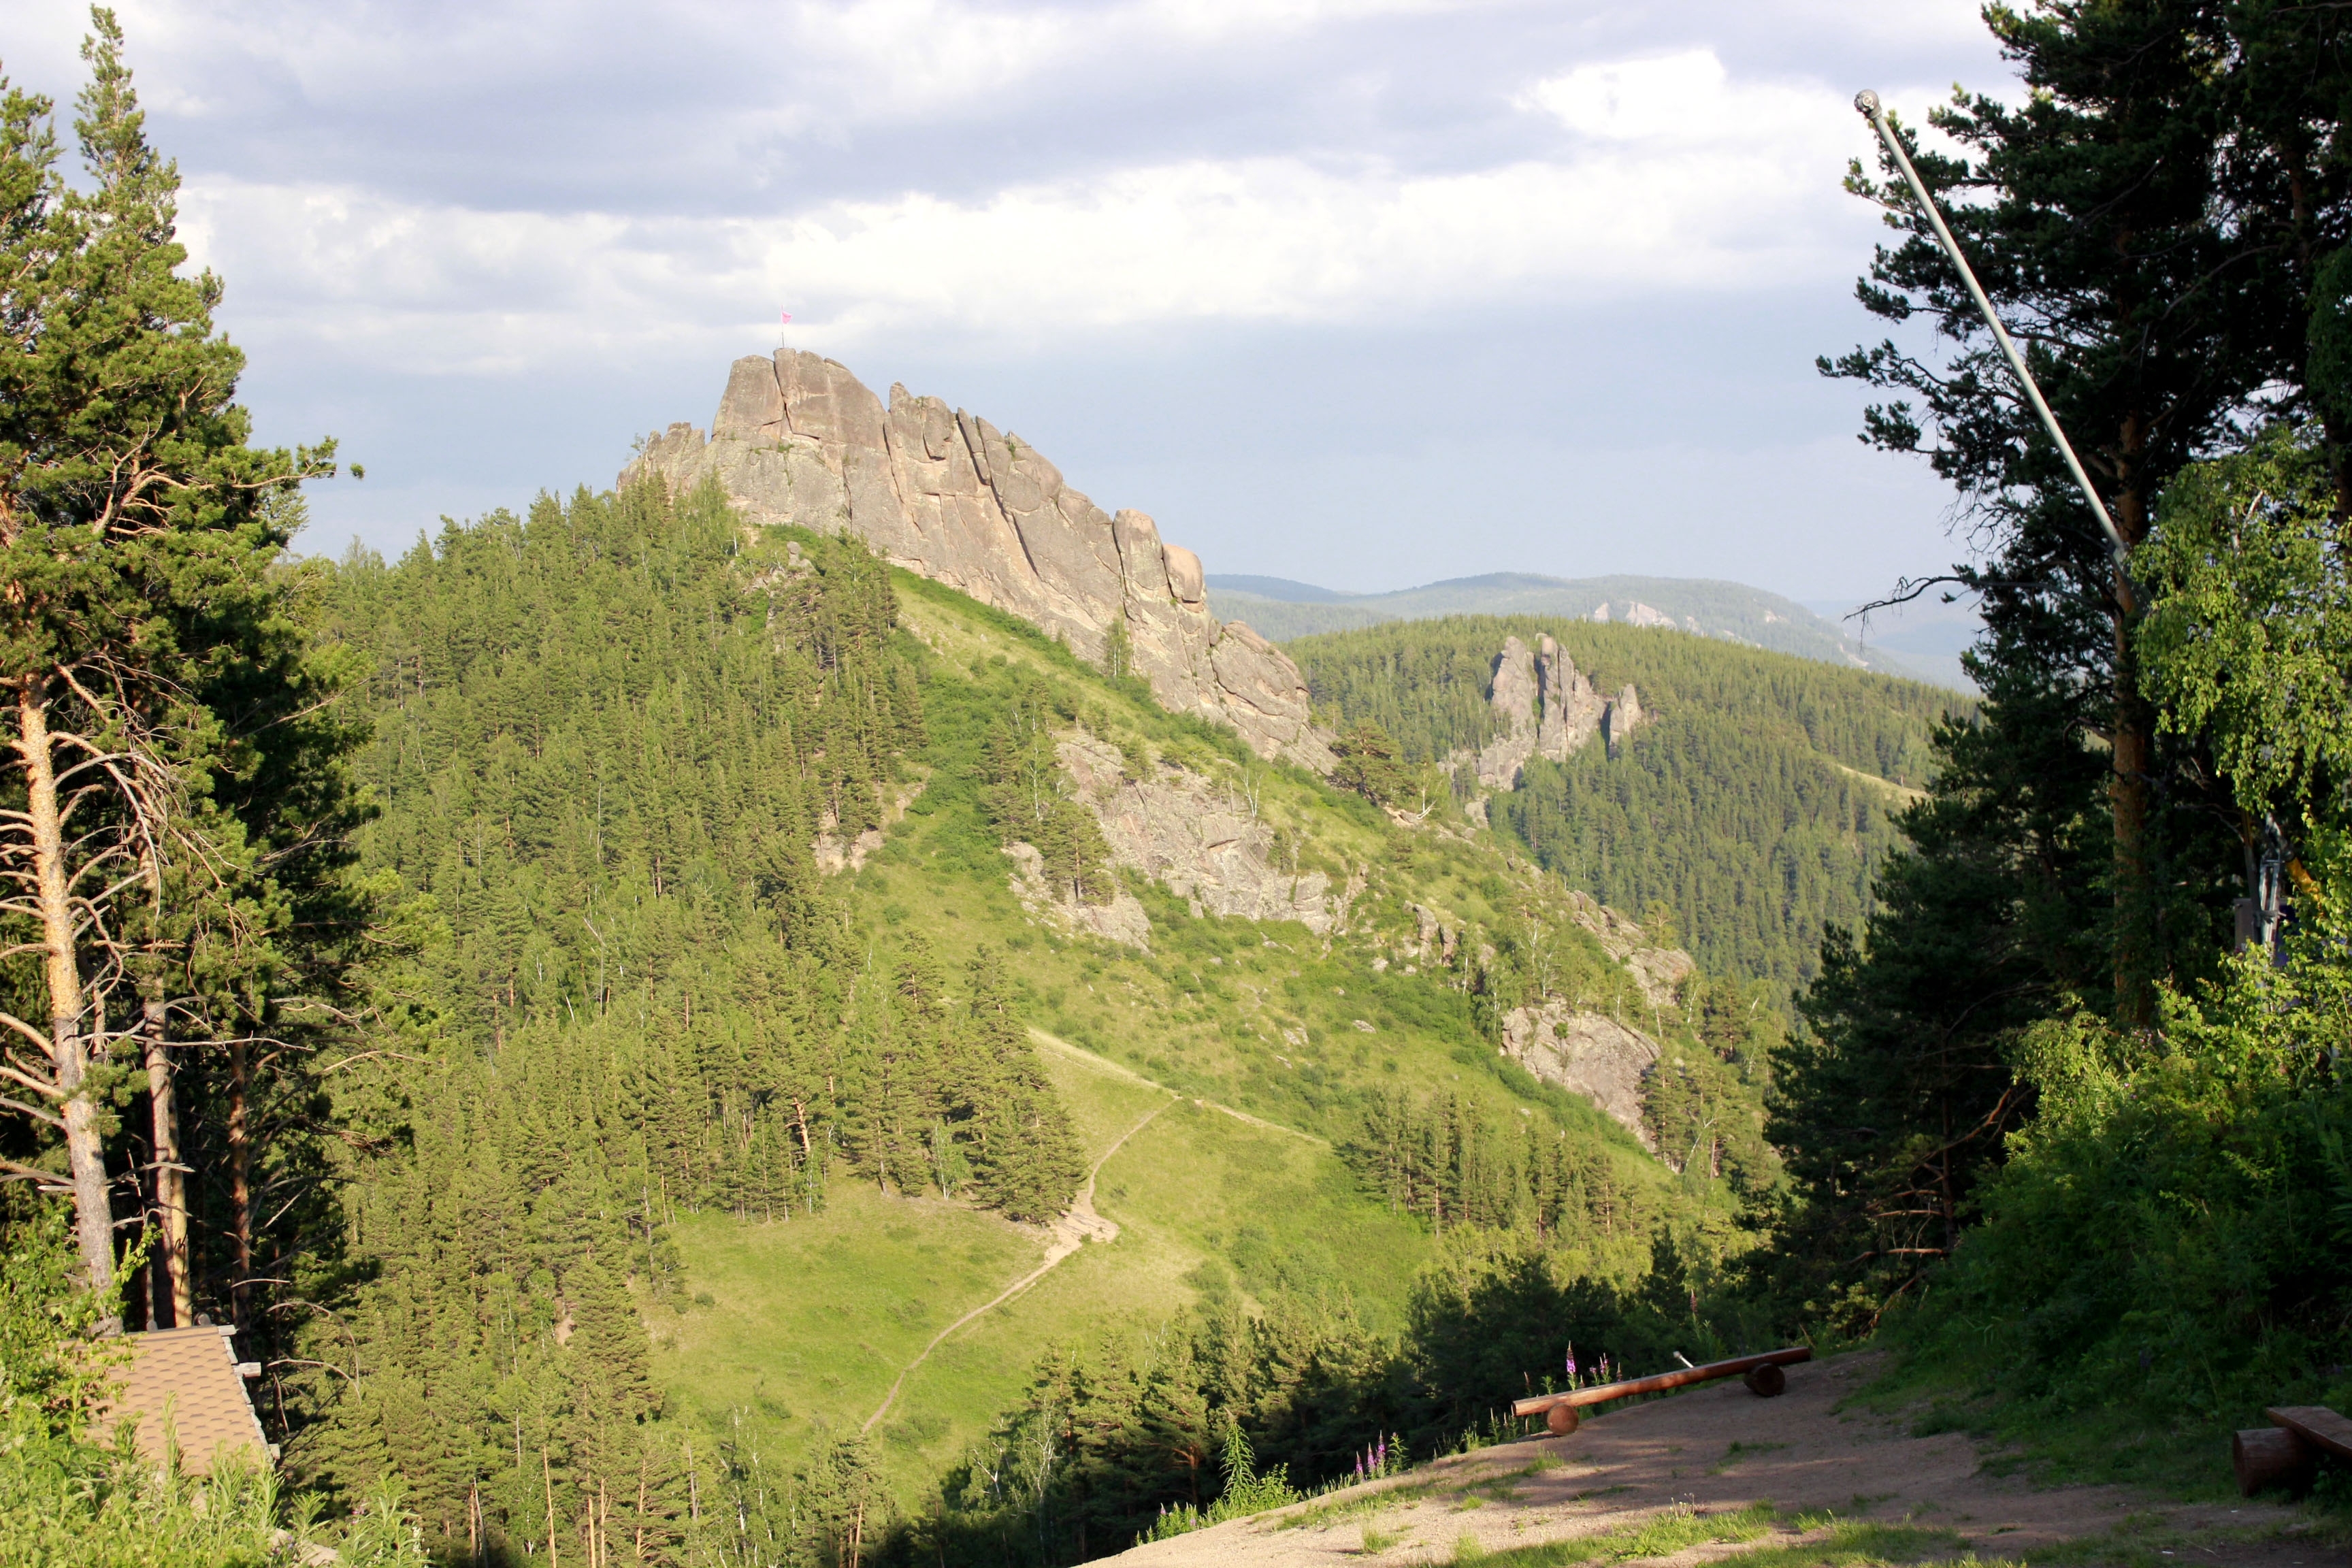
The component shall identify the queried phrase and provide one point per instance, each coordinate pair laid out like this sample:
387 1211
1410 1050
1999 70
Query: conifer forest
663 1037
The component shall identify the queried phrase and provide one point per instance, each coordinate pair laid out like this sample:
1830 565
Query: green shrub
2175 1229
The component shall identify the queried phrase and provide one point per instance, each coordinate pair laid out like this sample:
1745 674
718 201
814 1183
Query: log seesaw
1761 1373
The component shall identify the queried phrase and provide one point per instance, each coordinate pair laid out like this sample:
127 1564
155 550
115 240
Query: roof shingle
196 1371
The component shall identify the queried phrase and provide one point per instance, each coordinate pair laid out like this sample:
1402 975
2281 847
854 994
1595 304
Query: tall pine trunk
174 1294
68 1047
175 1288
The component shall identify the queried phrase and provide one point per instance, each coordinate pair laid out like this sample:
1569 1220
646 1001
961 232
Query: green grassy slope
809 1321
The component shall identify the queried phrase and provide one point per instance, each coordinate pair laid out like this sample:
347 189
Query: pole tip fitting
1867 102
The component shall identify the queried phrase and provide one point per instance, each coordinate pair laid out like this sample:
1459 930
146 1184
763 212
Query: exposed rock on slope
1121 920
1589 1053
799 439
1658 970
1182 831
1547 709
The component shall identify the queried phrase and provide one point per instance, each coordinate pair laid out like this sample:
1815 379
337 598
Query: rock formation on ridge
1547 709
799 439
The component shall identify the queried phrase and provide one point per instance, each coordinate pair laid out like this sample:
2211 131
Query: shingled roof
196 1371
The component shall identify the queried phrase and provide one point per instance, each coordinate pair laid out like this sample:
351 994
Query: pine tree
141 535
2157 210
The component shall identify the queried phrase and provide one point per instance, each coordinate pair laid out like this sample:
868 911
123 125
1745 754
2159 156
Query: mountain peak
942 493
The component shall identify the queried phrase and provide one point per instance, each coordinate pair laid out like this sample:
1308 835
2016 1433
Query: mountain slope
737 866
1749 808
799 440
1283 610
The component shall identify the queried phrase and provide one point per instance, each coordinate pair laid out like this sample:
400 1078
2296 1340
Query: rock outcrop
1546 708
1590 1054
1634 613
1121 920
1618 719
799 439
1658 970
1199 841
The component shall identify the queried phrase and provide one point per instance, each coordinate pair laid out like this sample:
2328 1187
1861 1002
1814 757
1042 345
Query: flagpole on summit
1871 109
779 329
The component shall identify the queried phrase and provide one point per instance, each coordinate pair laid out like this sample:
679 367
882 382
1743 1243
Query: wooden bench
2285 1452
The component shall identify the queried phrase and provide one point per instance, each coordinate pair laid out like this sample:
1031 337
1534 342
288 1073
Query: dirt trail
1061 1047
1715 1450
1070 1233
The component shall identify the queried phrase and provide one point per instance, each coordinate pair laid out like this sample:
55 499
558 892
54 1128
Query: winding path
1070 1232
1104 1064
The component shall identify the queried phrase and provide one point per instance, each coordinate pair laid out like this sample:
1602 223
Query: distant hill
1927 634
1753 802
1282 610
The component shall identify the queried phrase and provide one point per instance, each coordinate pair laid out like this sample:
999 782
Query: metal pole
1875 113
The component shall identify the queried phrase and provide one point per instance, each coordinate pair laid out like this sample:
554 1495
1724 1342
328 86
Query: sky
1366 293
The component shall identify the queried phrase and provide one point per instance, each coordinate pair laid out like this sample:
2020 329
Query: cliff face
798 439
1197 841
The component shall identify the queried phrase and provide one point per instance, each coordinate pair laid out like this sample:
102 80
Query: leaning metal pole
1875 113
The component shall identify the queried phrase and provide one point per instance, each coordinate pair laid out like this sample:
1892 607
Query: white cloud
1676 177
1687 100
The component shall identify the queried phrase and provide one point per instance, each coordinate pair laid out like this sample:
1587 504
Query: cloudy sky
1364 293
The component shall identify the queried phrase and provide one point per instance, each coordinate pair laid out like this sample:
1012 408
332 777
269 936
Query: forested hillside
642 1053
661 1038
1751 808
606 739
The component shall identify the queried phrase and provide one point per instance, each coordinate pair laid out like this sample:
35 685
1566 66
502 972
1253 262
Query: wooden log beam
1737 1366
2315 1424
2271 1456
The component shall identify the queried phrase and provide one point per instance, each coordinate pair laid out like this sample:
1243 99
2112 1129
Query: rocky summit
798 439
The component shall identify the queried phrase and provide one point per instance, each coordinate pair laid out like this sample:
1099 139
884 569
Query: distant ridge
1281 609
1283 588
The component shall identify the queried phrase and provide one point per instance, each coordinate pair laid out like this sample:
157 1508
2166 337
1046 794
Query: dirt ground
1719 1448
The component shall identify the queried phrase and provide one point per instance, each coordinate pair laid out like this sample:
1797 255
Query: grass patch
1858 1543
1677 1529
1843 1543
2141 1541
1338 1510
1376 1542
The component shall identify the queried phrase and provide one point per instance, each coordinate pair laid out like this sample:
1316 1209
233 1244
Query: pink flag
788 318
